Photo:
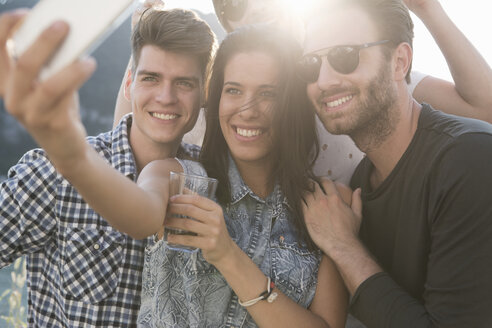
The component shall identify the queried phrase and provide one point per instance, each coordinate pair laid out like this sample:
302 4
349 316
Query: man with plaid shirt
81 271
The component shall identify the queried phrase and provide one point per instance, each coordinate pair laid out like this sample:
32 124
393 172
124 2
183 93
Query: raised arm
471 95
49 112
122 105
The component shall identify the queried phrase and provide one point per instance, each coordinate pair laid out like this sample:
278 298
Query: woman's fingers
197 200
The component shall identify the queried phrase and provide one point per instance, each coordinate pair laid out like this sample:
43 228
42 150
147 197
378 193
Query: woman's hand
209 225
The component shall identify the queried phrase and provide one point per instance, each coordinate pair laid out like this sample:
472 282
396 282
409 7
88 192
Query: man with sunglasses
414 246
338 155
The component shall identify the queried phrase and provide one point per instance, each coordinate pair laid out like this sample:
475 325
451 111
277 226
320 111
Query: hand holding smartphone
90 21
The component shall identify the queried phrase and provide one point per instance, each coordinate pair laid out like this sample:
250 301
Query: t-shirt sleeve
458 286
415 78
27 207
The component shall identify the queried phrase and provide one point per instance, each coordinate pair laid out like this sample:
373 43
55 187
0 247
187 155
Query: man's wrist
74 167
354 263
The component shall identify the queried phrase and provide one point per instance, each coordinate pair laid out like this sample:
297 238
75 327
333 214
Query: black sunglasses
233 10
343 59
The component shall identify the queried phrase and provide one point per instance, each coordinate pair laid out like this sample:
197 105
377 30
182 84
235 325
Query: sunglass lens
344 59
308 68
234 9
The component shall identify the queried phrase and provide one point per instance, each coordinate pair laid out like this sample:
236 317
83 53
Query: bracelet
268 295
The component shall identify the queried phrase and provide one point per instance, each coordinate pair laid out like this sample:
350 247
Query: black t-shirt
429 225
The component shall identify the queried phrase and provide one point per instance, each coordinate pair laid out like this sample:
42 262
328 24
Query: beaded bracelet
268 295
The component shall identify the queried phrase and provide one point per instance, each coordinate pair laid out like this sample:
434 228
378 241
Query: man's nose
166 94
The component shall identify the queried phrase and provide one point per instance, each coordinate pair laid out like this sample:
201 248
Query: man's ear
128 83
402 56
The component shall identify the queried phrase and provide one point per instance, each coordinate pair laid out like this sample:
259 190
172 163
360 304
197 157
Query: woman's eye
232 91
268 94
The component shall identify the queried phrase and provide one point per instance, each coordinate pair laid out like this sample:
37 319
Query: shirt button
96 247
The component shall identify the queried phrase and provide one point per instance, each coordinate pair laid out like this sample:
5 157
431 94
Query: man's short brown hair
175 30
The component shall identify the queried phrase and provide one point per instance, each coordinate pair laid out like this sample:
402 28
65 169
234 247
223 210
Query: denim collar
239 190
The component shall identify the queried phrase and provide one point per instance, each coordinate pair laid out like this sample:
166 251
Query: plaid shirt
81 271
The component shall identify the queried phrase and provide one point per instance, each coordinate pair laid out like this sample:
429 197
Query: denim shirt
184 290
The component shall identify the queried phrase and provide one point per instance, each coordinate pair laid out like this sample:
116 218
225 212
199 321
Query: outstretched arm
471 95
49 111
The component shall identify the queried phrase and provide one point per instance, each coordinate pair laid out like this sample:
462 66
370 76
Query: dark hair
391 17
176 30
295 143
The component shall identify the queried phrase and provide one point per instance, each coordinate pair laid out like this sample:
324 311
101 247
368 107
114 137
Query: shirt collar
239 190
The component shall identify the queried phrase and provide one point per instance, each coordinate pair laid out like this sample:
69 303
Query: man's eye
186 84
149 79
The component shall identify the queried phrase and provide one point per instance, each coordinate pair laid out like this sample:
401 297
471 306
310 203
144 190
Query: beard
373 117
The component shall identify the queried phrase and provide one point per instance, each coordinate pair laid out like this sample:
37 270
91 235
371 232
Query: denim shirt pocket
295 270
90 263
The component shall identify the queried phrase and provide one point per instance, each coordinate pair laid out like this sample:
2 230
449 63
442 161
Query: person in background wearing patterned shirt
81 271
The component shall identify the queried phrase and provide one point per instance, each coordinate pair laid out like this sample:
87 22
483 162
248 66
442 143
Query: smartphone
91 22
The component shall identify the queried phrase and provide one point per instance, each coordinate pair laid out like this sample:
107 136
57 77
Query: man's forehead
168 63
343 26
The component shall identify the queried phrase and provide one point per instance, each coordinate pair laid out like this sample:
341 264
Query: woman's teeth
248 133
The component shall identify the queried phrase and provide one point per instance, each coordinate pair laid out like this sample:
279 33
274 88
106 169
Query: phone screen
91 21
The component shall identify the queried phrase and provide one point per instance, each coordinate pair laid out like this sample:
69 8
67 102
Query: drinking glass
187 184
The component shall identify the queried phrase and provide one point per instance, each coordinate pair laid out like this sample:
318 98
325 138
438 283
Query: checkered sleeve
27 200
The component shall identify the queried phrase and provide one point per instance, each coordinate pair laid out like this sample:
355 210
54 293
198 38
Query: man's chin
336 127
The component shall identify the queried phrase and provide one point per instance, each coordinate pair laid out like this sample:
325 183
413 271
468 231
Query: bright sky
471 16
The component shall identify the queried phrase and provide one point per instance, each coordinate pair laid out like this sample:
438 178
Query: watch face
233 10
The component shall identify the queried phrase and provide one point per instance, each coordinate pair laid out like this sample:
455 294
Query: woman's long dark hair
295 143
